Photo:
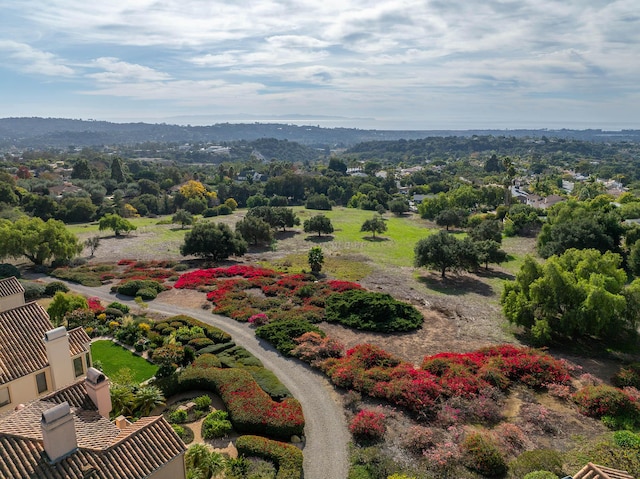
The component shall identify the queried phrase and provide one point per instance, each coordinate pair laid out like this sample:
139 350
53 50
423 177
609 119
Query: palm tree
122 400
201 463
147 398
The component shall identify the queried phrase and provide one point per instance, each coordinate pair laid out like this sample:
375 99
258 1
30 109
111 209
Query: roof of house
594 471
22 350
10 286
136 451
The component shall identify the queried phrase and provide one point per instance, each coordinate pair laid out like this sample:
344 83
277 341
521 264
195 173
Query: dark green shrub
370 311
147 293
536 460
282 333
269 383
32 290
216 425
628 375
216 348
199 343
113 313
52 288
224 210
7 270
482 455
178 416
180 267
287 458
185 433
207 361
133 287
210 212
119 306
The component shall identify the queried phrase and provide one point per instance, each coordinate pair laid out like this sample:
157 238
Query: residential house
68 435
35 357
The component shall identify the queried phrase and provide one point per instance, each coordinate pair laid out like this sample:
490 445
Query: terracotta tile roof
10 286
133 452
22 350
594 471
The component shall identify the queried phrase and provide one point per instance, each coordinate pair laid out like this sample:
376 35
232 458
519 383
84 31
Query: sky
401 64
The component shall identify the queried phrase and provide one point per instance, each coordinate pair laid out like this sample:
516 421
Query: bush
112 313
287 458
147 293
368 425
536 460
269 383
32 290
282 334
482 455
627 439
7 270
178 416
119 306
628 376
370 311
603 400
216 425
185 433
132 288
52 288
203 402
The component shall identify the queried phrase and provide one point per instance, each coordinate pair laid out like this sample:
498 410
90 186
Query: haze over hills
61 133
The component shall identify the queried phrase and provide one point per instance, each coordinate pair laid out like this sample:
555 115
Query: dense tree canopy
37 240
116 223
444 252
254 230
275 216
374 225
215 241
318 224
580 293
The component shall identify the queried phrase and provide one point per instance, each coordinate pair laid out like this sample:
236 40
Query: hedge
250 408
288 458
370 311
282 334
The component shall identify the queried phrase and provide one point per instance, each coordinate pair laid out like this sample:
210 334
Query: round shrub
147 293
603 400
203 402
178 416
628 375
536 460
627 439
52 288
482 455
370 311
216 425
112 313
185 433
119 306
368 425
7 270
32 290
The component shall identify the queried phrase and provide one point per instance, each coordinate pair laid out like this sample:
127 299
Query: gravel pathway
325 452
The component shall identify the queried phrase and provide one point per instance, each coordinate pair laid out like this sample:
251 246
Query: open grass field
114 358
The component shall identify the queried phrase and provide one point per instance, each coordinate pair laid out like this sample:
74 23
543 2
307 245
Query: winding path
325 452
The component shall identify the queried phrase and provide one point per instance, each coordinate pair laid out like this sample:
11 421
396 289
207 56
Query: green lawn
114 358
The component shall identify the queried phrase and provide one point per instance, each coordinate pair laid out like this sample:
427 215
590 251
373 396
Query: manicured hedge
288 458
282 334
250 408
215 334
370 311
136 286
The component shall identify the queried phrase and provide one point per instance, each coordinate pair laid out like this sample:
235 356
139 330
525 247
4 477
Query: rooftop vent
94 376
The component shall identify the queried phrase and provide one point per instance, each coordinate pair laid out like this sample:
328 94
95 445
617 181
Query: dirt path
326 434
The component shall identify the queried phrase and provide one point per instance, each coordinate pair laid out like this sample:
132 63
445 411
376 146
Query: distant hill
62 133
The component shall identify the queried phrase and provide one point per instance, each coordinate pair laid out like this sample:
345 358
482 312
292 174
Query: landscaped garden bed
112 358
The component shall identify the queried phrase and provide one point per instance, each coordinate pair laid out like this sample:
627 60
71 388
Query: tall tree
118 173
445 252
318 224
254 230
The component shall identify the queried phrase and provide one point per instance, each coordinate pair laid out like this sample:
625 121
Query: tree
77 209
147 398
92 243
338 165
275 216
634 258
489 252
318 202
81 170
398 206
318 224
118 172
116 223
316 259
214 241
374 225
37 240
201 463
580 293
487 230
183 217
64 303
254 230
444 252
451 217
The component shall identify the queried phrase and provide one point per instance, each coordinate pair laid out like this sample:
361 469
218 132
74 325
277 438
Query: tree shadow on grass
376 239
319 239
494 273
282 235
457 285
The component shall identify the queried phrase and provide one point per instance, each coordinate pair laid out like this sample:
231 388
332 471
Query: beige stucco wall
175 469
25 389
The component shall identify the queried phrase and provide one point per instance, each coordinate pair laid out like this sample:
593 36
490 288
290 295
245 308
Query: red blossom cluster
373 371
207 277
368 424
95 305
342 286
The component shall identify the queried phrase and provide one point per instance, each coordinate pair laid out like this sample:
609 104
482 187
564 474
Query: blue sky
400 64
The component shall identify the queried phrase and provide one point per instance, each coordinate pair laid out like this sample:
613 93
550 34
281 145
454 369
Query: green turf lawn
114 358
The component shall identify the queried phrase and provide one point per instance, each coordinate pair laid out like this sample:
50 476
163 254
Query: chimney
56 343
122 422
97 386
58 432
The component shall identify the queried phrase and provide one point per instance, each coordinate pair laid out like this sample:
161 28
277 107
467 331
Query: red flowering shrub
95 305
126 262
628 375
511 438
250 408
603 400
418 439
368 425
341 286
258 319
312 347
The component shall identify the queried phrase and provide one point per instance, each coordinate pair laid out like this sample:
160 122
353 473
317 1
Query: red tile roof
134 452
22 350
10 286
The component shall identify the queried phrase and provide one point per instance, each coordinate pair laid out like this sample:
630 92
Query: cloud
116 71
25 58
